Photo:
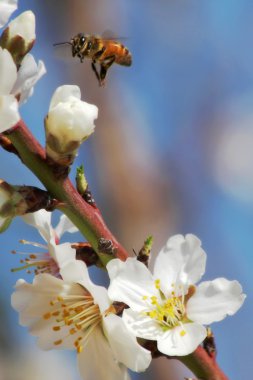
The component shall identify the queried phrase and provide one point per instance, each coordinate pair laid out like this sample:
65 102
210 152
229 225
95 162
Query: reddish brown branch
87 218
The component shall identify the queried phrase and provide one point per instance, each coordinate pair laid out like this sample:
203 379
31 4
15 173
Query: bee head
78 43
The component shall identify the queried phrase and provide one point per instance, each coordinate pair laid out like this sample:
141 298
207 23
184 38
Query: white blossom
28 75
16 85
7 7
9 114
167 306
23 26
69 118
54 254
74 313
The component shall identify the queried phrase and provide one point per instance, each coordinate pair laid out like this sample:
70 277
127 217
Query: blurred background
172 153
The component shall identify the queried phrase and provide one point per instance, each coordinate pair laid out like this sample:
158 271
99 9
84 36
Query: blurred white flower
7 7
9 114
74 313
24 27
28 75
69 122
56 254
16 85
167 306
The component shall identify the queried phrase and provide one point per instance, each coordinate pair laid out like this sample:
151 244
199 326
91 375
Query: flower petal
7 7
213 300
65 225
9 114
181 262
28 74
130 282
61 253
141 325
63 93
181 340
96 361
76 272
8 72
124 345
41 220
32 301
24 26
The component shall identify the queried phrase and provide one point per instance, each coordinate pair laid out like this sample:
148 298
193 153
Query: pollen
47 315
157 284
74 315
167 312
58 342
182 333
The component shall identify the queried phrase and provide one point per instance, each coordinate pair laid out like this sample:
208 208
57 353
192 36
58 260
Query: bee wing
111 36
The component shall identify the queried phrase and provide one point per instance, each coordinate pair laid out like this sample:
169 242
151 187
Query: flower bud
19 36
69 122
20 200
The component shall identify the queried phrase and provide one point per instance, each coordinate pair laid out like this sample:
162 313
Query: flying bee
100 50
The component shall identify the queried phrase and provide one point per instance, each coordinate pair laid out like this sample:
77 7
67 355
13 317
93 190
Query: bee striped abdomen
121 53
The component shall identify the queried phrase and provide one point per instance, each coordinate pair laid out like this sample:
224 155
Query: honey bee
100 50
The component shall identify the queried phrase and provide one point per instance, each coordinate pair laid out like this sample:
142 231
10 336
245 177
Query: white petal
130 282
42 221
182 262
32 301
213 300
7 7
124 345
174 343
9 114
61 253
28 74
63 93
24 26
96 362
43 330
141 325
76 272
8 72
65 225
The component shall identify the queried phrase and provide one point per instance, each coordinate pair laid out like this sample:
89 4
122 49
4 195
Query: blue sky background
187 102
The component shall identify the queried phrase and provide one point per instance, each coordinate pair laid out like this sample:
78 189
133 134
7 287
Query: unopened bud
19 36
81 182
19 200
69 122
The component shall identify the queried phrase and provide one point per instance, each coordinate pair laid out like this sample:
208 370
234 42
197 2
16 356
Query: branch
202 365
87 218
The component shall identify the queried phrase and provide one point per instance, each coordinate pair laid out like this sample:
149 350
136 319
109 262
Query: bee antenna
62 43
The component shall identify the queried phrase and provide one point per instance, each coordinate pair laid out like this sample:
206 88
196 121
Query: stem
202 365
88 219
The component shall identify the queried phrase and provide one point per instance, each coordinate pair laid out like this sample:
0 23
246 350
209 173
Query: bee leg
93 65
105 65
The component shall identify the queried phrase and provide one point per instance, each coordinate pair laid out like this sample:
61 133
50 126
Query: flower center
39 262
75 315
167 312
